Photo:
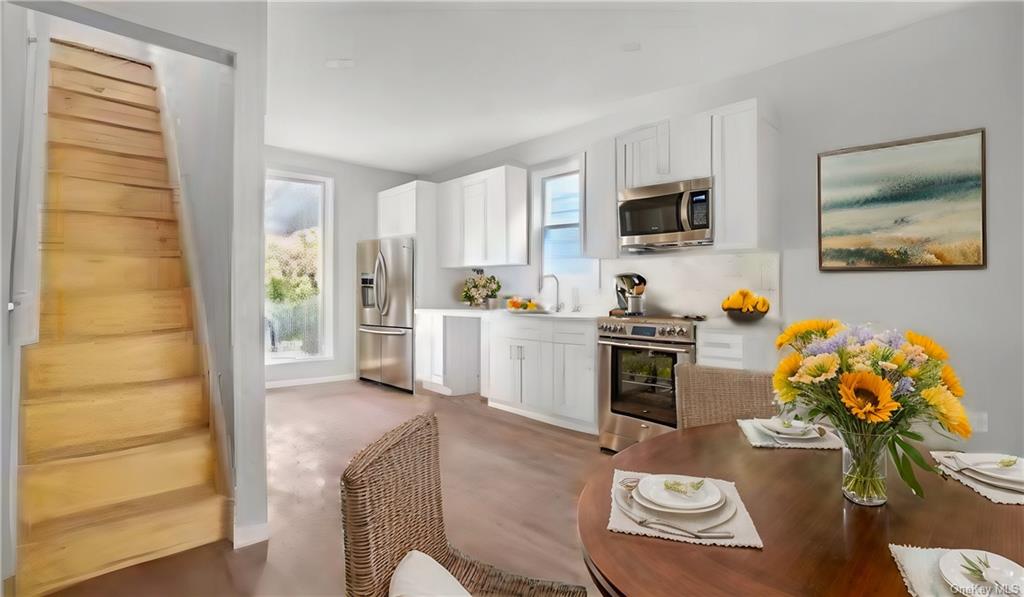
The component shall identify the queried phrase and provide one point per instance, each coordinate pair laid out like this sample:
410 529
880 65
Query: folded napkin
993 493
740 524
919 568
759 439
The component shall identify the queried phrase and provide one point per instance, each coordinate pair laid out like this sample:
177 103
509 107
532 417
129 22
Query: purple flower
825 345
891 338
904 387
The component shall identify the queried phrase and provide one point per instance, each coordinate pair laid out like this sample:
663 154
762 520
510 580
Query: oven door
639 378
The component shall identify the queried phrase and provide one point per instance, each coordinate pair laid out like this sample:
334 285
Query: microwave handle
684 211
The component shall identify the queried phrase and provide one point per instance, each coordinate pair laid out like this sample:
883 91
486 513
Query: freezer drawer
396 354
386 355
369 355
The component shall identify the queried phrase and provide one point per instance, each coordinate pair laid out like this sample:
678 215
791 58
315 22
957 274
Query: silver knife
651 522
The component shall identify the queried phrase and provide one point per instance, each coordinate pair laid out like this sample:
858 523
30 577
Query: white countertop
481 313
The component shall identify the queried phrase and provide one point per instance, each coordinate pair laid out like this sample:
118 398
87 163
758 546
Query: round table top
815 541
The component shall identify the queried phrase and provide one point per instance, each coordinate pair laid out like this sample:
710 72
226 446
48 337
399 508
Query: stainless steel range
636 381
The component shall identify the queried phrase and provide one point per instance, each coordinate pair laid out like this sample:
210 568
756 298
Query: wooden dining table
815 541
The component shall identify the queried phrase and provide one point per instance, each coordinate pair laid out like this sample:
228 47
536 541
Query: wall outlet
979 420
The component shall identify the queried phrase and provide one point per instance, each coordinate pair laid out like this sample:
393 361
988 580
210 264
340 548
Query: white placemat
919 568
995 494
760 439
740 524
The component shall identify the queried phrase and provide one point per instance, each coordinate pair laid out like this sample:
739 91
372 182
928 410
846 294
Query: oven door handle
661 347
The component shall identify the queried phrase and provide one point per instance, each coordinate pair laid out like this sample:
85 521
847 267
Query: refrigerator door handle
376 282
383 332
384 277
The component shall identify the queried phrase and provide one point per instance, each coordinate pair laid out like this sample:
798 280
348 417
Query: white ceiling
432 85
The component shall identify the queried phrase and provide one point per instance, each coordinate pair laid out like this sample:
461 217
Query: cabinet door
504 368
424 345
474 222
535 374
573 380
691 146
449 224
643 156
734 166
437 348
601 221
496 229
396 212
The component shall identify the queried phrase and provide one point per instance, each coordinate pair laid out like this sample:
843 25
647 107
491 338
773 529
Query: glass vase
864 456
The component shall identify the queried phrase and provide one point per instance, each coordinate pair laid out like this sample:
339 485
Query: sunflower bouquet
872 387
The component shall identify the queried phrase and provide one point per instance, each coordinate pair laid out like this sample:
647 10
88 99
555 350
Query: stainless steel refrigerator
384 320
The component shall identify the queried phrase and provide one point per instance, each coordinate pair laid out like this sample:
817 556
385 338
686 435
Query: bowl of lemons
744 305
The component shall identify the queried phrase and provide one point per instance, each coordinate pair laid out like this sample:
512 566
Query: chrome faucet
558 291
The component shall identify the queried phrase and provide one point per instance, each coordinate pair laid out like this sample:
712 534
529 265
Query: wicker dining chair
708 395
391 504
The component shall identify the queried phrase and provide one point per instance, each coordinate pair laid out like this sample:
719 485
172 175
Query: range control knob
661 331
620 329
671 331
682 331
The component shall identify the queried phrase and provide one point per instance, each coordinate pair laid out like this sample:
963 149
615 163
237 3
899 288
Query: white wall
240 27
355 219
956 71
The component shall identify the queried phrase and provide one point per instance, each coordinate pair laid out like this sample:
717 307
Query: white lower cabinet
544 370
447 353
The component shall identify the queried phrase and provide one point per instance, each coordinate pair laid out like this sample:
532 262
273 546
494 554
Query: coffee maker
629 289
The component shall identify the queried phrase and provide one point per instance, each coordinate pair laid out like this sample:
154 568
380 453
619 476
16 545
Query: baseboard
307 381
549 419
251 534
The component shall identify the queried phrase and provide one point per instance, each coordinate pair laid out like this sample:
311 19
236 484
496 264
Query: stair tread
59 527
70 103
115 338
111 253
100 87
107 446
102 149
91 60
135 215
103 389
106 137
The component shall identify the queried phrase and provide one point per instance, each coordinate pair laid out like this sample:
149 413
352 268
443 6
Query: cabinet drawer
523 327
720 345
574 332
717 362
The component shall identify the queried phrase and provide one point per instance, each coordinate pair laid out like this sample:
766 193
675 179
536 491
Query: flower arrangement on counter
745 305
872 387
478 288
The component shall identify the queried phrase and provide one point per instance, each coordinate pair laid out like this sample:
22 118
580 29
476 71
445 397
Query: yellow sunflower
931 348
802 331
951 381
817 368
948 410
784 388
868 396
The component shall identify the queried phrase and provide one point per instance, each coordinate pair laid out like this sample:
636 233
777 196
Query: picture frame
912 204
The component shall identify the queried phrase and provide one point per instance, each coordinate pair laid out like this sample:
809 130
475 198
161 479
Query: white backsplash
681 283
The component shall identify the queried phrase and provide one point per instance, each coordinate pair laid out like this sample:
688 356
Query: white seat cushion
419 575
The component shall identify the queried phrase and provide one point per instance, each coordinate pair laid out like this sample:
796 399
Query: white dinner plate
808 435
798 429
652 487
985 479
955 576
646 503
988 465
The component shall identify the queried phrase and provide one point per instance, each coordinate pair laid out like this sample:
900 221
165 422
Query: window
297 241
559 196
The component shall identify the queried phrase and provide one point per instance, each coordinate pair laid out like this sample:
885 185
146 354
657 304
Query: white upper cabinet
397 207
643 156
482 219
601 208
744 150
691 146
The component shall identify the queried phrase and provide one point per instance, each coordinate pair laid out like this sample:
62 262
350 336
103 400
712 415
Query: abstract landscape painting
911 204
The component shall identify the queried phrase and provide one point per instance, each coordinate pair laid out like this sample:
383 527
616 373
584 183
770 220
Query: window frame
575 164
327 274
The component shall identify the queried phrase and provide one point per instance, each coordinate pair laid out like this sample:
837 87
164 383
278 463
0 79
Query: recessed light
337 63
631 46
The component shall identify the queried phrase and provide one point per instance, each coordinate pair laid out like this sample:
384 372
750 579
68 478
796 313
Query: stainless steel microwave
666 216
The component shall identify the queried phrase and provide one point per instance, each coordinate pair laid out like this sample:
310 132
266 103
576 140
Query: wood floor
510 490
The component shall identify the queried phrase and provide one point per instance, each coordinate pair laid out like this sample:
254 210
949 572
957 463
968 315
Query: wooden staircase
118 462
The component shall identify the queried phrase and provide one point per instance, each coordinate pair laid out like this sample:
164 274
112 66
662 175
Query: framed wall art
912 204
